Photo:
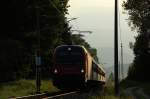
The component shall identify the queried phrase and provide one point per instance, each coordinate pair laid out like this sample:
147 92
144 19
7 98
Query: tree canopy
139 19
19 36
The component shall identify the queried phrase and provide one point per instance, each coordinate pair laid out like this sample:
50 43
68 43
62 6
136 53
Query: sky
98 16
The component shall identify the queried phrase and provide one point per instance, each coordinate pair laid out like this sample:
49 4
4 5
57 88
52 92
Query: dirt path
136 92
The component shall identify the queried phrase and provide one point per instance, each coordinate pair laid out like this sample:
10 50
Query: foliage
139 18
130 84
27 87
28 26
111 77
77 39
20 38
108 93
110 97
23 87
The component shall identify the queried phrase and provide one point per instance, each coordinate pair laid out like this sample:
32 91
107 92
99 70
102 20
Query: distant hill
106 57
111 69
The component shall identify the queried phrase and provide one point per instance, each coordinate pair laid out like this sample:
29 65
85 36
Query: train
74 67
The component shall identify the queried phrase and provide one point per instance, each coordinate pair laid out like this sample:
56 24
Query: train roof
69 45
79 46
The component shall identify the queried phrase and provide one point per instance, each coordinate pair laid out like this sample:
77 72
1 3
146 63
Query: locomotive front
69 67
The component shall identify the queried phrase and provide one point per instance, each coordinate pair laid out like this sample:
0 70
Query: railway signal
37 56
38 71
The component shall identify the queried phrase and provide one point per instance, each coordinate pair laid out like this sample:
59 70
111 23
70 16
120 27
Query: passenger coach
74 67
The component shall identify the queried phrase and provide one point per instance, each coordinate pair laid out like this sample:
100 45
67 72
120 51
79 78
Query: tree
77 39
111 77
139 19
19 38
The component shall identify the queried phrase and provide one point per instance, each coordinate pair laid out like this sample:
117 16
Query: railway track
54 95
62 95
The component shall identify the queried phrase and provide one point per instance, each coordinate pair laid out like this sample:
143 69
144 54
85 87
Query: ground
136 92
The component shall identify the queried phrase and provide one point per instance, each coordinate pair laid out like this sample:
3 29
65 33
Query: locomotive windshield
69 55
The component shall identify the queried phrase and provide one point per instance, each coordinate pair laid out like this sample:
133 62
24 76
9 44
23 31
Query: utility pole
116 48
122 69
38 51
119 71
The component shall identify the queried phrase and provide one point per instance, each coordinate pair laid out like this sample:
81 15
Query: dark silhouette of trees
139 19
77 39
19 36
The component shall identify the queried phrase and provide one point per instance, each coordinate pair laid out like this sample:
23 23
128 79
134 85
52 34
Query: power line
56 8
79 31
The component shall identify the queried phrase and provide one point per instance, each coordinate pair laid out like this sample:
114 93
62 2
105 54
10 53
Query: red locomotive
75 68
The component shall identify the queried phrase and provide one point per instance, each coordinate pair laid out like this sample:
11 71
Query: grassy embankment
23 87
108 93
27 87
128 84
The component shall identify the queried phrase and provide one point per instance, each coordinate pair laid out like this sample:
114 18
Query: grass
128 83
110 97
144 85
23 87
27 87
108 93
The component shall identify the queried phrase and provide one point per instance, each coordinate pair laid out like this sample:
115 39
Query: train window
70 58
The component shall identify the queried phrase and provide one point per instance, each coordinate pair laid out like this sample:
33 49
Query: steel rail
46 95
61 95
30 96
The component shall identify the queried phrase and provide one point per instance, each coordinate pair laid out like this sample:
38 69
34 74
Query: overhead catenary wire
53 4
38 56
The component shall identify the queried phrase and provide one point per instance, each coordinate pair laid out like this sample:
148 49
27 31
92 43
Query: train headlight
82 70
55 71
69 49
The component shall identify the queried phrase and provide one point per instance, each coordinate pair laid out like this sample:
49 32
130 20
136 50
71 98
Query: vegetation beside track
27 87
108 93
23 87
96 93
129 84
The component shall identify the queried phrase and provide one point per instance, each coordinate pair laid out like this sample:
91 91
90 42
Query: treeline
139 19
19 38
